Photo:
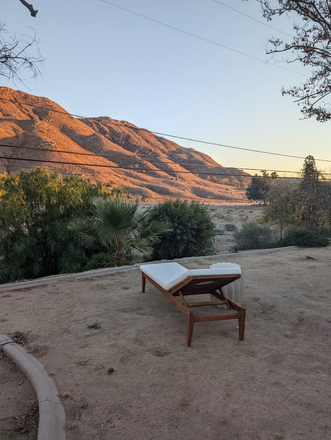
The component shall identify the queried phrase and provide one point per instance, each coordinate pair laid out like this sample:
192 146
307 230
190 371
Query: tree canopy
306 203
260 186
311 46
35 210
192 231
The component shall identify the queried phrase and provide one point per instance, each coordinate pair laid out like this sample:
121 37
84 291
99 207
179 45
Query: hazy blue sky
104 61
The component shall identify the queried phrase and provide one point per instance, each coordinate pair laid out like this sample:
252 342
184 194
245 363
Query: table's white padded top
225 265
213 271
169 275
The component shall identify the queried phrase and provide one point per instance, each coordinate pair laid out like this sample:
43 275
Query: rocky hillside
41 133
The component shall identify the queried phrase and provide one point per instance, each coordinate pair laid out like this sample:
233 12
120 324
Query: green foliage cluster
219 231
253 236
102 260
35 210
117 224
304 238
192 230
230 227
260 186
306 204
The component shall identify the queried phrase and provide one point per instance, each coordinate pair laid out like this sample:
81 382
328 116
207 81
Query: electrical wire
135 159
236 148
201 38
132 127
135 169
117 167
252 18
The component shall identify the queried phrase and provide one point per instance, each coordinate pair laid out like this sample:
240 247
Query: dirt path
274 385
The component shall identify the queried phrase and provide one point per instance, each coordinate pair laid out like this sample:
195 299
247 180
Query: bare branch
18 54
30 7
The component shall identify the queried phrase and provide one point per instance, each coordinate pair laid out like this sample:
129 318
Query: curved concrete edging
111 270
51 413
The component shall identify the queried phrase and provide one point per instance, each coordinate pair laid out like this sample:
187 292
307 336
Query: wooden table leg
189 330
242 324
143 283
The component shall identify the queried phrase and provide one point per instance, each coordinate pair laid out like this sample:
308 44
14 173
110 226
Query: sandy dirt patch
274 385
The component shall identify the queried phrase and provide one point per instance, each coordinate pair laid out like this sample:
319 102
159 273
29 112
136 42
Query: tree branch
30 7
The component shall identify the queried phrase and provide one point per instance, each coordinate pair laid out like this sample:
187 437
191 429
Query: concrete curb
112 270
51 413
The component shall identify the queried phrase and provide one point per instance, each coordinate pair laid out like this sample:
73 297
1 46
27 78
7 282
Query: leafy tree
310 46
304 204
282 204
116 223
35 210
314 197
192 230
260 185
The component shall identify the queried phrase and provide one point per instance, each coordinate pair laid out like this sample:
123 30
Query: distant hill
136 159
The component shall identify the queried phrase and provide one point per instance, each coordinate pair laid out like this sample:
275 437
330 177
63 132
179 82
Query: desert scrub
304 238
230 227
95 325
253 236
219 231
192 232
102 260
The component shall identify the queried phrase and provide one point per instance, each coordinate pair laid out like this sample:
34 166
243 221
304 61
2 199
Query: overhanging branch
30 7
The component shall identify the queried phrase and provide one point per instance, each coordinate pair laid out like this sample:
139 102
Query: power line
133 169
137 159
201 38
237 148
252 18
170 135
116 167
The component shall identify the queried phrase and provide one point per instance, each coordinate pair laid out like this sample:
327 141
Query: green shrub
252 236
192 230
219 231
35 210
230 227
325 231
304 238
102 260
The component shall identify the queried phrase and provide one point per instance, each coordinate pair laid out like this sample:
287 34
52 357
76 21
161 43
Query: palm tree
117 224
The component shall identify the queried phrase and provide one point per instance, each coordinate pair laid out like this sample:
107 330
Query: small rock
307 257
110 370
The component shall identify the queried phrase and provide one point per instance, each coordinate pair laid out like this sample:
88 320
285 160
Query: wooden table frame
197 285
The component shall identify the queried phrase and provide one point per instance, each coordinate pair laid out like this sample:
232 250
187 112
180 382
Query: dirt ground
273 385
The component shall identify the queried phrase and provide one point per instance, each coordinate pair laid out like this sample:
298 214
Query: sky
101 60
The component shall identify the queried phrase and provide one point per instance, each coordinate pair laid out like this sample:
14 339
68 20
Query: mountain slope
134 158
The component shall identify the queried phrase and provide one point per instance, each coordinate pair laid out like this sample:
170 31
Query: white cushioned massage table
174 280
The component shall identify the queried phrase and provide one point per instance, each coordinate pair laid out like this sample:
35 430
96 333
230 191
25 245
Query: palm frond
86 228
115 215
